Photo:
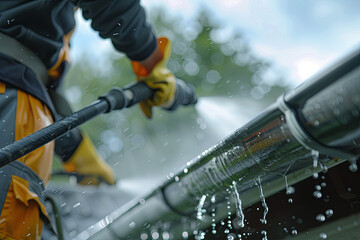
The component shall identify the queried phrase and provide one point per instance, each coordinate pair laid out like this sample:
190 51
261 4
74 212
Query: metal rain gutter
318 123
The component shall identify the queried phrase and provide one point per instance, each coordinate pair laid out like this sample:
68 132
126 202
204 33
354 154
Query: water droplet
323 236
320 217
318 187
76 205
185 235
165 235
186 170
213 231
329 213
177 179
290 190
144 236
317 194
231 237
290 200
132 225
155 235
226 231
294 232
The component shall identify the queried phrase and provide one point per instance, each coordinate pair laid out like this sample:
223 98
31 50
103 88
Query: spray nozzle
185 95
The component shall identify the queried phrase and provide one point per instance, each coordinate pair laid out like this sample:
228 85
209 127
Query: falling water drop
200 206
239 211
289 189
329 213
266 209
213 199
317 194
320 217
353 166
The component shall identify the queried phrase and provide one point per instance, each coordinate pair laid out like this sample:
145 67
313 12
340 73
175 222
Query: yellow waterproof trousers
22 182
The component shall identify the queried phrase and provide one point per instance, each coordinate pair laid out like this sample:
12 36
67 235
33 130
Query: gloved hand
86 161
161 79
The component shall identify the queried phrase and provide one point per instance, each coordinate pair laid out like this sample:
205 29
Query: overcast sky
298 37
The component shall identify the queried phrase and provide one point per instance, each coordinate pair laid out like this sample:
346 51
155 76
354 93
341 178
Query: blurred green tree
215 62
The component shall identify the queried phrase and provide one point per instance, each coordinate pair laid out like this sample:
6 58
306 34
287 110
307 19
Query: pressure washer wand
115 99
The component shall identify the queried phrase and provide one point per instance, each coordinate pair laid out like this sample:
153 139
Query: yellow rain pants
22 182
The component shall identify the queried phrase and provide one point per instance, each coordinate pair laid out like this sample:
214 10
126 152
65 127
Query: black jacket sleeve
124 22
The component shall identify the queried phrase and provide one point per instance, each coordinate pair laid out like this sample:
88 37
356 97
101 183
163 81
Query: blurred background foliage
217 65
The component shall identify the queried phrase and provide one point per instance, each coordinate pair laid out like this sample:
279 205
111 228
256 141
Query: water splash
266 209
238 204
200 210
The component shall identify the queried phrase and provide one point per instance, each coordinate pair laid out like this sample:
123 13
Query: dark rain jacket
45 26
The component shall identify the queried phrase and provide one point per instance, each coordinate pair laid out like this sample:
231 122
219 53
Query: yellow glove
86 161
160 79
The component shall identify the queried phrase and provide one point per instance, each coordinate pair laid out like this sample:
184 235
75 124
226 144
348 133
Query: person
34 58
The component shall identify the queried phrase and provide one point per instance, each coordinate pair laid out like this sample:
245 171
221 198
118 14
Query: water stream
200 210
263 202
228 112
238 204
